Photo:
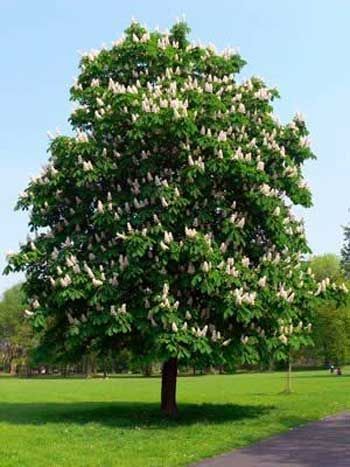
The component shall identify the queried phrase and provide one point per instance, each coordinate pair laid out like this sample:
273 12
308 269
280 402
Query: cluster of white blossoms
236 220
287 329
121 310
244 297
286 294
229 267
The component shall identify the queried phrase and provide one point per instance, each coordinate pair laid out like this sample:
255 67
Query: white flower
188 315
262 281
277 211
145 37
174 327
9 254
260 166
305 142
96 282
100 207
163 246
191 233
222 136
226 342
82 137
168 237
299 117
208 87
122 309
87 165
240 223
165 290
89 271
283 339
65 281
262 94
241 108
100 102
28 313
290 298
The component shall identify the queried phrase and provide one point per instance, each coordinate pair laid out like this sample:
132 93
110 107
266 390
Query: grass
116 422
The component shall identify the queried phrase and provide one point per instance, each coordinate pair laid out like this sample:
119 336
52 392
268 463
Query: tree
327 265
16 335
164 225
345 252
331 333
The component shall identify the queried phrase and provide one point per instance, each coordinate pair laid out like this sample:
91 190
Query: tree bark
13 368
168 396
289 376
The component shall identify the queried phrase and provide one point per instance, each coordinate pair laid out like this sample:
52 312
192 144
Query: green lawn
116 422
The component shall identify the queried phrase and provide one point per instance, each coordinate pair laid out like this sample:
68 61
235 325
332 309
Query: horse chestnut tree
164 223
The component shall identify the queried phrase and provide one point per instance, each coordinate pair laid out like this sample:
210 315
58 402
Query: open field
116 422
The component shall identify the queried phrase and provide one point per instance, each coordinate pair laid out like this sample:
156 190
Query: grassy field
116 422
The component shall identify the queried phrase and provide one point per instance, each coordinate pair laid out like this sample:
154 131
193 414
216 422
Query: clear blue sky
300 46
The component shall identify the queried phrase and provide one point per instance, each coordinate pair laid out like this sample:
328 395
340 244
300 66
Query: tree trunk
147 370
169 375
289 376
13 368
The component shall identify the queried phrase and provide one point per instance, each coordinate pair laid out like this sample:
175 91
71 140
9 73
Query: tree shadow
127 415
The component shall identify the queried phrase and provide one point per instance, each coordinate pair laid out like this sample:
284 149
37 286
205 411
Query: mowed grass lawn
116 422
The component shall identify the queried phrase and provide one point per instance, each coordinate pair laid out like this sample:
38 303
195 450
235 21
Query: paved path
321 444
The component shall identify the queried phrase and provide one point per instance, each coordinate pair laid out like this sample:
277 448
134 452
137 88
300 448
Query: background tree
165 226
16 333
345 252
327 265
331 330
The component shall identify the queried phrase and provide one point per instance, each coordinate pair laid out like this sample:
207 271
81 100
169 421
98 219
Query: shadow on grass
125 414
99 377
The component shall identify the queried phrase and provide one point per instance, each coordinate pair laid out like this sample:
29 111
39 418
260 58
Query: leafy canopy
164 225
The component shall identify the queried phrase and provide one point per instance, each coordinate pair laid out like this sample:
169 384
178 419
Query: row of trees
16 334
23 352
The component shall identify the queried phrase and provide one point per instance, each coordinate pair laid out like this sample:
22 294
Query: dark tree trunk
147 370
169 375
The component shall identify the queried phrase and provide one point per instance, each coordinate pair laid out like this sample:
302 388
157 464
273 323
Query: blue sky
300 46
